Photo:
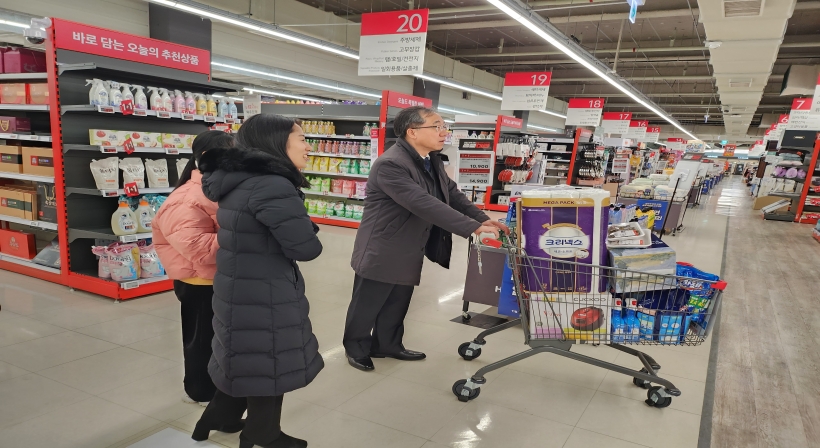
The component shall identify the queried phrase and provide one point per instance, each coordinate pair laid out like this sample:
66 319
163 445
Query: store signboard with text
510 122
801 117
584 112
616 122
779 127
403 100
675 143
620 164
114 44
393 43
525 91
475 168
653 133
637 129
815 104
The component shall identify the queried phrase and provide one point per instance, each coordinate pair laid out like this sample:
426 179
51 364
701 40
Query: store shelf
29 177
143 281
332 195
569 153
25 137
114 193
339 156
22 76
554 140
556 169
27 222
87 108
339 137
28 263
785 195
335 221
325 173
105 234
555 177
557 160
117 149
25 107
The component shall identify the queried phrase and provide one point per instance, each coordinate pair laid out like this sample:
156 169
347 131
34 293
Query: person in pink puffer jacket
184 233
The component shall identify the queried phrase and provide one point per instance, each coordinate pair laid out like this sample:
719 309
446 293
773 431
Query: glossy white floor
80 371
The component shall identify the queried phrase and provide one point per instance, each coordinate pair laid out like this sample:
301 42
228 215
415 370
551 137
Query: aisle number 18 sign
393 43
584 112
525 91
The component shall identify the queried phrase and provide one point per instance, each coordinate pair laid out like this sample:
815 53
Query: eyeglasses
438 127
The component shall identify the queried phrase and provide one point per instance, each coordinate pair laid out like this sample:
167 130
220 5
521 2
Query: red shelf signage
114 44
675 143
511 122
525 90
393 43
396 99
584 111
616 122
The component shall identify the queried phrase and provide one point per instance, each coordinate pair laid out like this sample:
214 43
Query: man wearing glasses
411 210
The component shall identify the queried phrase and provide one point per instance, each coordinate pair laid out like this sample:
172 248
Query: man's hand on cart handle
487 229
497 224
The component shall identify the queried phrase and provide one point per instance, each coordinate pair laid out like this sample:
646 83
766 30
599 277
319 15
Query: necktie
428 166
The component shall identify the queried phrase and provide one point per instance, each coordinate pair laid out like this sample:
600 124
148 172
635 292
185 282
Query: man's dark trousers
378 308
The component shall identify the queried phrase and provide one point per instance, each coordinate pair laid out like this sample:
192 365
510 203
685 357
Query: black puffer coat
264 343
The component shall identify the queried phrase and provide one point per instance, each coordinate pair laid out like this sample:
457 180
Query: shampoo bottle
145 214
126 92
114 94
201 105
155 99
232 108
123 221
223 107
167 101
190 103
98 95
211 105
179 102
140 100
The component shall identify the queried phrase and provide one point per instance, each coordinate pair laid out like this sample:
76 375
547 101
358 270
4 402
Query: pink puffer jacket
185 232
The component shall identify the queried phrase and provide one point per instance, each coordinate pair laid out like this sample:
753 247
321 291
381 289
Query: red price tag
128 146
131 189
127 107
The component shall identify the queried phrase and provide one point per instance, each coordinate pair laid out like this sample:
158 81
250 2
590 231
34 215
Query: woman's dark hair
269 133
204 142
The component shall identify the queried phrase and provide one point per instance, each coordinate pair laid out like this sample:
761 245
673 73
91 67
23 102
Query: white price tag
209 119
34 224
128 238
187 117
140 112
105 109
475 168
172 151
27 137
130 285
108 149
163 114
8 136
109 193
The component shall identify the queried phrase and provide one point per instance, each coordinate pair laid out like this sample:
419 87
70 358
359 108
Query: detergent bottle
126 92
123 221
190 103
98 95
201 104
140 100
633 324
155 100
232 108
145 214
167 101
114 94
223 107
211 105
179 102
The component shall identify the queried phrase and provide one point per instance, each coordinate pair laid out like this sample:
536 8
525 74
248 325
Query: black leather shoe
365 364
283 441
201 432
404 355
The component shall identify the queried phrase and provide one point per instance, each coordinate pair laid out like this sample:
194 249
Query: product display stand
807 212
585 161
559 152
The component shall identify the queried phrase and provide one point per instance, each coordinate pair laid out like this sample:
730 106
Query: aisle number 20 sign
393 43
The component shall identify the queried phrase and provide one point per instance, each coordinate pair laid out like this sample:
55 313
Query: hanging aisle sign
393 43
525 91
114 44
779 127
584 112
729 150
637 129
251 104
653 133
675 143
801 118
616 122
815 104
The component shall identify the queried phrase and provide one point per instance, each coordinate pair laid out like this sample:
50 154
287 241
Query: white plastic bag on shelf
103 268
105 173
124 262
157 171
133 171
181 164
150 266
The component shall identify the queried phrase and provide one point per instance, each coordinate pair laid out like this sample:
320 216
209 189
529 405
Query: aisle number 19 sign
584 112
525 91
393 43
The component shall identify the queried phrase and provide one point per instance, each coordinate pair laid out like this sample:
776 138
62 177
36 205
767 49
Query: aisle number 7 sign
393 43
525 91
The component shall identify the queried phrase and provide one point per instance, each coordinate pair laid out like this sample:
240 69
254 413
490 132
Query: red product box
13 93
14 124
3 50
18 244
23 60
37 94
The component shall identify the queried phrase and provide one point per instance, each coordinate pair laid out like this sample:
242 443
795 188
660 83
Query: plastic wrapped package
103 268
133 171
150 266
105 173
124 262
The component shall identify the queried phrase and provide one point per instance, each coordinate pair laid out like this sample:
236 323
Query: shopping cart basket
565 303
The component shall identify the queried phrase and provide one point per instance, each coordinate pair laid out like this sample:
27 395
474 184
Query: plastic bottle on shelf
366 130
155 100
232 108
126 92
222 107
321 146
336 145
114 94
145 214
190 103
167 101
211 105
201 104
140 100
98 95
321 128
179 102
123 221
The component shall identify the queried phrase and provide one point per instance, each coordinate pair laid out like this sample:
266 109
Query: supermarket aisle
767 392
79 371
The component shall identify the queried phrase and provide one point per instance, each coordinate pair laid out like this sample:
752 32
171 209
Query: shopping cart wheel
655 399
468 353
458 388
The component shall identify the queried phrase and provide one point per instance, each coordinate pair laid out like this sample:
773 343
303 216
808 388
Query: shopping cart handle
721 285
488 239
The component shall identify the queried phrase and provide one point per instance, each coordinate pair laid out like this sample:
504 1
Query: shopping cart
564 303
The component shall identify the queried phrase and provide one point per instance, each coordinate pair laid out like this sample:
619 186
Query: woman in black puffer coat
263 342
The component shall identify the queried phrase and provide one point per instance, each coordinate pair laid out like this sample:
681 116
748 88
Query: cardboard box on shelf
37 94
46 202
18 243
177 141
18 203
104 137
13 93
145 139
15 124
763 201
38 161
23 60
11 159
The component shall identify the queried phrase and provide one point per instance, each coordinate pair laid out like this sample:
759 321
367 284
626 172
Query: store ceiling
663 54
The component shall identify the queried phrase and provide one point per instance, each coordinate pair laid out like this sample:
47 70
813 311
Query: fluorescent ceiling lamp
542 128
532 26
455 111
549 112
248 24
459 86
17 24
285 95
296 80
229 97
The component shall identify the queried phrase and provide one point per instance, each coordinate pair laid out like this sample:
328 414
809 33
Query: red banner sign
511 122
395 22
528 79
396 99
114 44
586 103
618 116
638 124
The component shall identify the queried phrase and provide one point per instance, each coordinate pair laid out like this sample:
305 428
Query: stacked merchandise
140 139
654 187
347 148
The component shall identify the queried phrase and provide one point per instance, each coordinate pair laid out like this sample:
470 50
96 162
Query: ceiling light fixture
17 24
456 111
255 25
542 128
444 81
537 25
295 80
553 113
285 95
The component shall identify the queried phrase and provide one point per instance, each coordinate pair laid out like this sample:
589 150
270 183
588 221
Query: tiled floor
80 371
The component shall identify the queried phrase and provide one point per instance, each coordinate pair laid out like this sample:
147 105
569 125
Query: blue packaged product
669 328
633 326
647 326
618 327
699 291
